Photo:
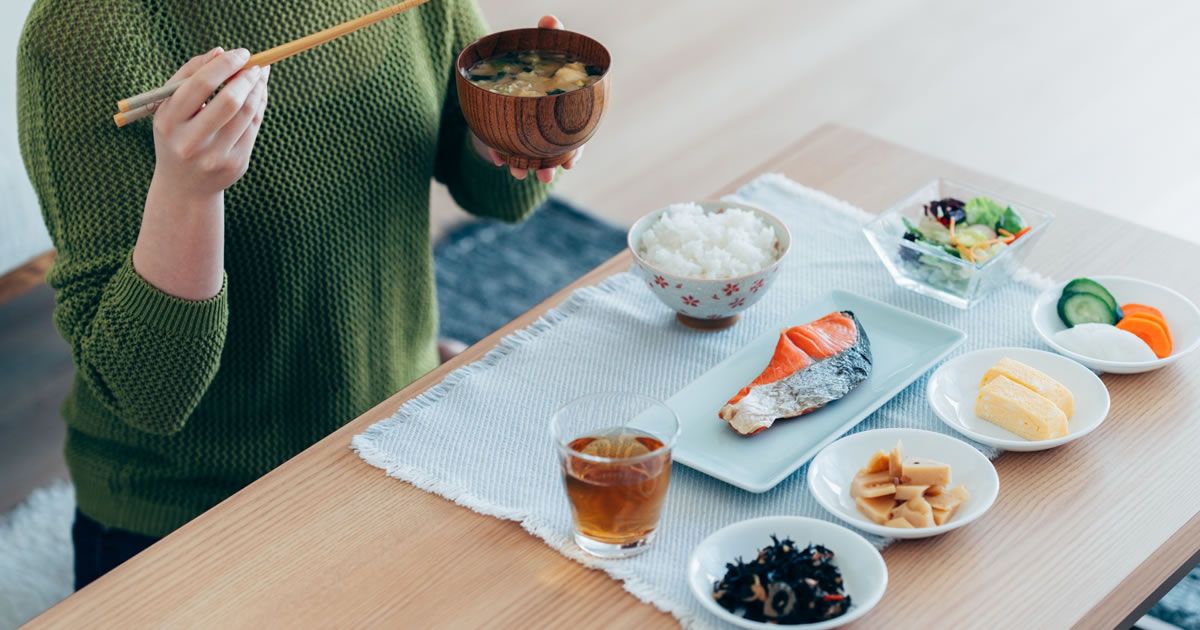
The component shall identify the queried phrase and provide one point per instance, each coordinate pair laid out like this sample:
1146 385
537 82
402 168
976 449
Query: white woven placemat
480 438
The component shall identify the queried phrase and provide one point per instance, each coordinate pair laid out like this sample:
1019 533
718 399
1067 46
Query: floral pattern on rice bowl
692 300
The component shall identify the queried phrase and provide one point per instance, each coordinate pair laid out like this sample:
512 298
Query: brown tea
617 502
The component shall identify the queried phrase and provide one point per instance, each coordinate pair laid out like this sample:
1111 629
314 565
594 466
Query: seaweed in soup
532 73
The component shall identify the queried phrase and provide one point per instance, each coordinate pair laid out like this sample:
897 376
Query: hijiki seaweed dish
784 584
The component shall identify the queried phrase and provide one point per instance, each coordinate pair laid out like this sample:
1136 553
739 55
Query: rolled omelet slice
1010 405
1036 380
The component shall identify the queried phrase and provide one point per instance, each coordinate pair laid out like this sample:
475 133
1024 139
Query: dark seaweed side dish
784 584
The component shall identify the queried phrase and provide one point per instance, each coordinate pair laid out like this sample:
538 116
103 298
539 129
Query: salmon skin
813 365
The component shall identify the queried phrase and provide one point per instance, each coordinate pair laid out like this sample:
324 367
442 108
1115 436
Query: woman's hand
203 148
543 174
200 149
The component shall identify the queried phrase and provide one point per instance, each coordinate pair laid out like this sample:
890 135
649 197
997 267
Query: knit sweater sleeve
148 356
478 186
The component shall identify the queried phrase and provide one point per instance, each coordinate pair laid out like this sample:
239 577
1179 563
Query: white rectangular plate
903 346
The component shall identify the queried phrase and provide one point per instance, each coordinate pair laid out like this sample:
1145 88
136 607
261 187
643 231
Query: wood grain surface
528 131
25 277
1080 536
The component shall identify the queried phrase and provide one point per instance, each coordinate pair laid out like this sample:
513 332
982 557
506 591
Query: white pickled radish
1104 342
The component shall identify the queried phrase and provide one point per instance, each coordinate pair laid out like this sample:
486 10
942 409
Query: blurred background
1091 101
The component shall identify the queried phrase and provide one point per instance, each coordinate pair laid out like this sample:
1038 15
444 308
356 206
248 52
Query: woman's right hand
199 150
203 148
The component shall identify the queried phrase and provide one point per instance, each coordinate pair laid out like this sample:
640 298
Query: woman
227 312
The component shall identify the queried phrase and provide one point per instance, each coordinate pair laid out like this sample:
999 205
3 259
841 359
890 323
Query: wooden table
1086 535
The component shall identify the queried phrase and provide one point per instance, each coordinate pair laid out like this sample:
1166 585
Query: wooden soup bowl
534 131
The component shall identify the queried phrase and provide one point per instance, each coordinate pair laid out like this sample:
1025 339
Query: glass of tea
615 454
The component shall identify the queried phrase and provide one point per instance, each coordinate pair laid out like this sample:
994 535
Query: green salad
975 231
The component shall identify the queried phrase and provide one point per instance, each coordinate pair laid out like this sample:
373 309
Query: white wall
22 234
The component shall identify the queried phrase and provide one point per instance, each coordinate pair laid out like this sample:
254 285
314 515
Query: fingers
245 144
544 175
229 101
164 111
200 85
575 157
233 130
240 153
549 21
194 64
494 156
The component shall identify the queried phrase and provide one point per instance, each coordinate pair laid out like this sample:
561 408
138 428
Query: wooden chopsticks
144 104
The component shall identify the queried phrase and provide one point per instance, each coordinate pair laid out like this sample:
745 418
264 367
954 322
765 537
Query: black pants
99 549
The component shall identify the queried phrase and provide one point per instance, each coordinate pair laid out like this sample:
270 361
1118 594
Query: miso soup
532 73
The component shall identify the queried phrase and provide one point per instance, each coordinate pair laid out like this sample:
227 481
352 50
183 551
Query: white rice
687 241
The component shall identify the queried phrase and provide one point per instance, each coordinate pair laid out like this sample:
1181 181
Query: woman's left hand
544 175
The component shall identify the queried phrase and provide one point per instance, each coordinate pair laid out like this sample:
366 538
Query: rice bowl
741 259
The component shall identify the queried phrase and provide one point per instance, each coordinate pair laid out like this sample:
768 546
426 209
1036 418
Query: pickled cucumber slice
1087 285
1075 308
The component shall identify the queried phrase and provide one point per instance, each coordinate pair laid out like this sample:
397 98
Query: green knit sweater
328 305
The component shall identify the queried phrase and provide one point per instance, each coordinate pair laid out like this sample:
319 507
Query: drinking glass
615 453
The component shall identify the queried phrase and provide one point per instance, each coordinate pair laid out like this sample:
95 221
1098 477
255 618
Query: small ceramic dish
1181 314
864 574
710 304
832 470
954 386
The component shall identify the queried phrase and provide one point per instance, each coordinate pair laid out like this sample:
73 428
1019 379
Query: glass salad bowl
958 267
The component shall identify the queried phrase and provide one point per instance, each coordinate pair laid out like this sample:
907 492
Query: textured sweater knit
328 304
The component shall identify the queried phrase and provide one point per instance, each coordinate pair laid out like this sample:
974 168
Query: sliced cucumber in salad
973 235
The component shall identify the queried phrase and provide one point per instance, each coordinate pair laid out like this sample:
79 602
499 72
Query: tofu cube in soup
570 73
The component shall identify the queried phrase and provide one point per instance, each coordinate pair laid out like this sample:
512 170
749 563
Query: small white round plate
864 574
1181 314
954 386
832 470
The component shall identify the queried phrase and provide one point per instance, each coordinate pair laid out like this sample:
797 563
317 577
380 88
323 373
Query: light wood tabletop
1087 535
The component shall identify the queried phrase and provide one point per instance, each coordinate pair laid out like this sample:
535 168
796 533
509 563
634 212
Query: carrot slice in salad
1153 333
1021 232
